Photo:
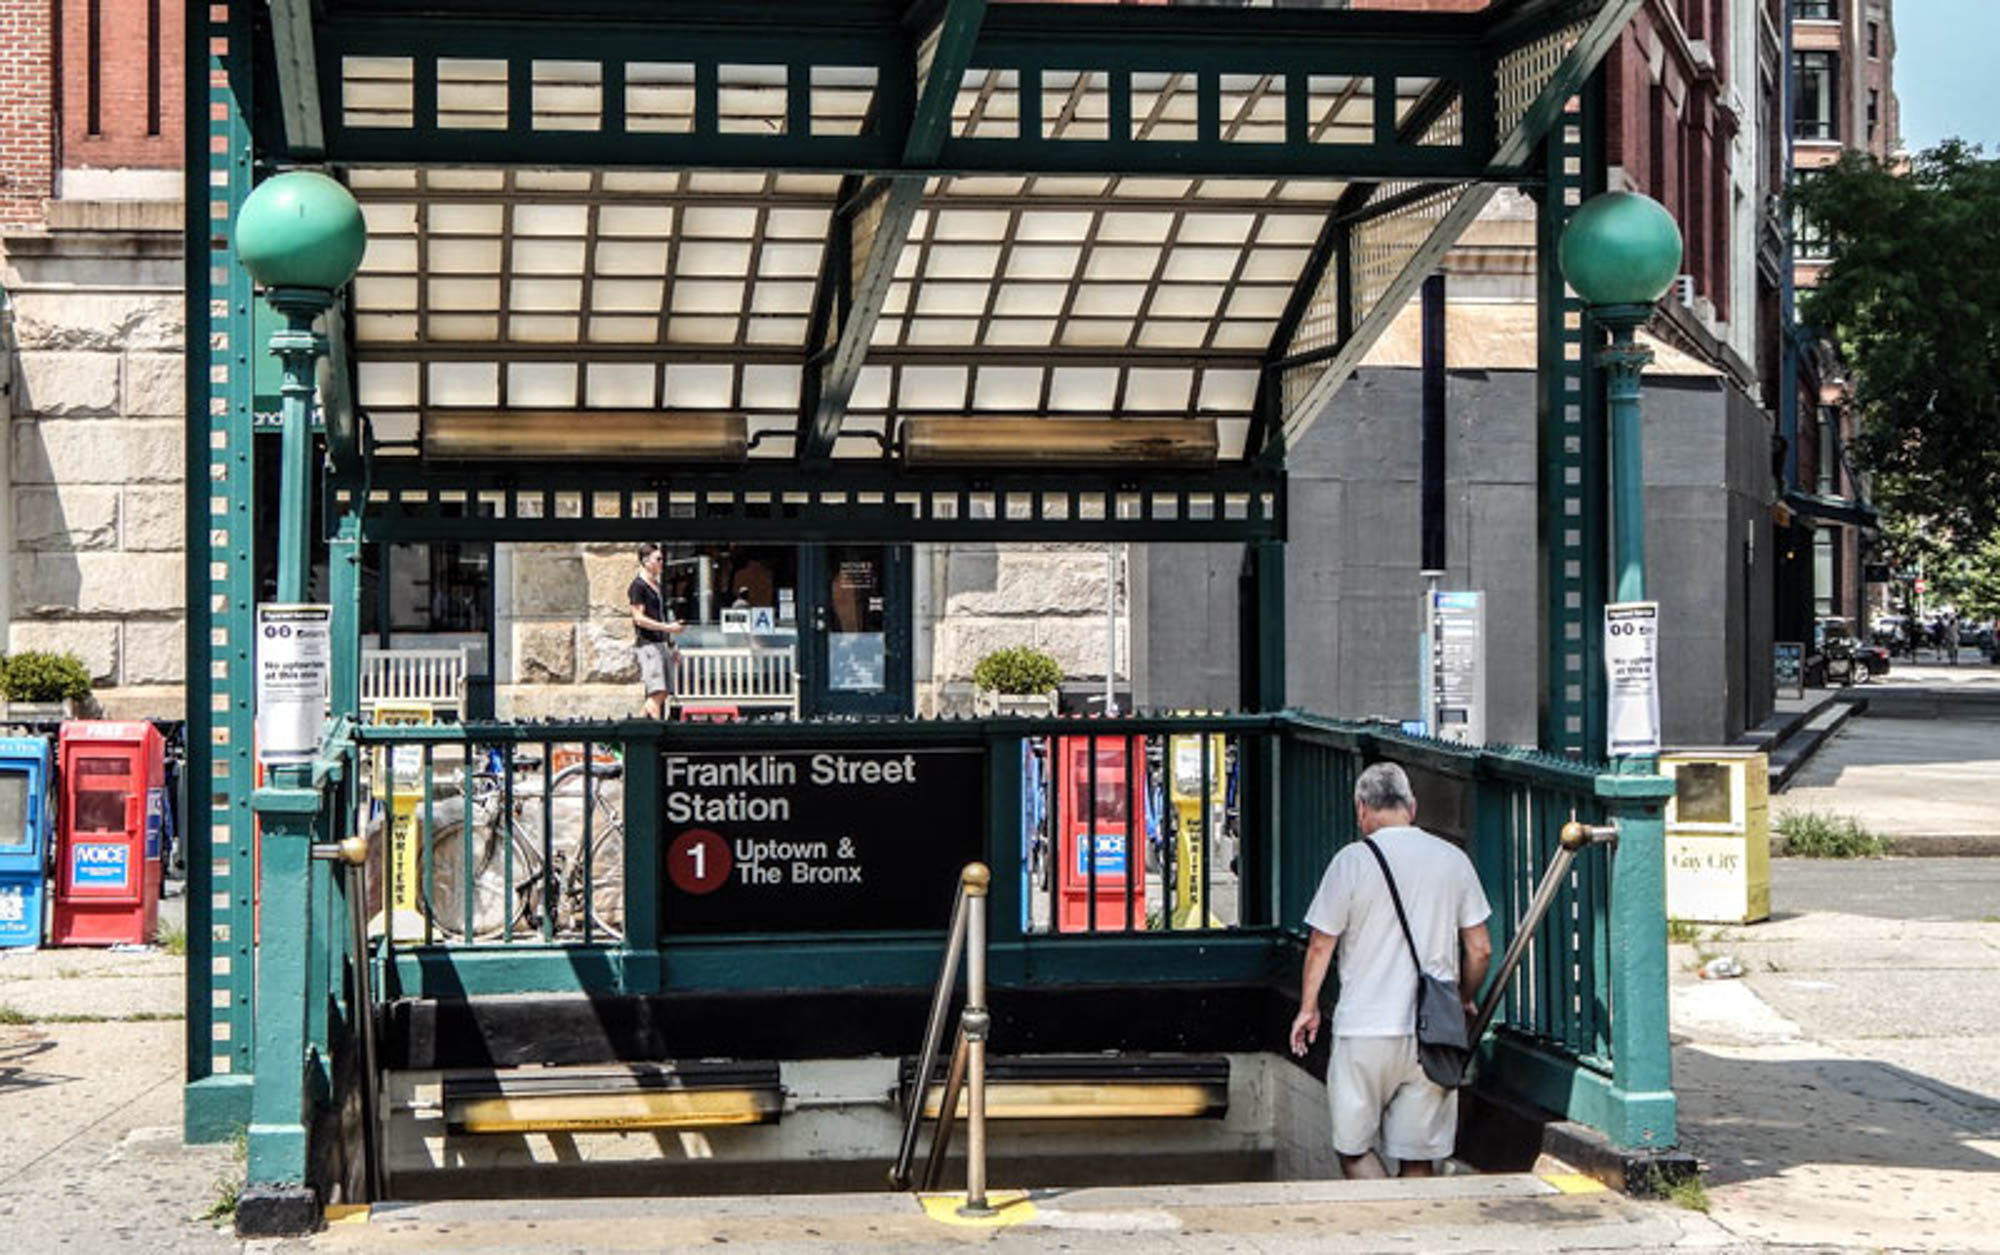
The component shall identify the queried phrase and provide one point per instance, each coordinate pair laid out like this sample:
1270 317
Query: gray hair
1384 787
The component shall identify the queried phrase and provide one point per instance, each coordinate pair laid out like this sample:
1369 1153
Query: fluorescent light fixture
1002 441
614 1112
596 435
1051 1100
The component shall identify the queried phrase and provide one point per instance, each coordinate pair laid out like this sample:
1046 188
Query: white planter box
1018 705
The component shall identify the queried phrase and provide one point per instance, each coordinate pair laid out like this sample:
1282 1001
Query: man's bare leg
1416 1168
1362 1167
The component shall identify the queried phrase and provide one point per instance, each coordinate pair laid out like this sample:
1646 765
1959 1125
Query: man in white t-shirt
1384 1107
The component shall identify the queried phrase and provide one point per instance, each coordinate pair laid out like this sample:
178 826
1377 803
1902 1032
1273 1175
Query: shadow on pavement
15 1056
1756 1118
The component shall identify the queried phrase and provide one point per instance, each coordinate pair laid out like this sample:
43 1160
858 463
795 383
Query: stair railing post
975 1021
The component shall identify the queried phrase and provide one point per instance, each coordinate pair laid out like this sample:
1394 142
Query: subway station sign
818 840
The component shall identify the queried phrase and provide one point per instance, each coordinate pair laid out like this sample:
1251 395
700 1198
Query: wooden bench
743 678
414 677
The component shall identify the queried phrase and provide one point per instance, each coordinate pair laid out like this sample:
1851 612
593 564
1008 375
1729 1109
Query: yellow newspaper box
1718 836
403 865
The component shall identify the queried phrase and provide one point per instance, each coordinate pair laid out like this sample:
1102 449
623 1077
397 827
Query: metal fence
1122 849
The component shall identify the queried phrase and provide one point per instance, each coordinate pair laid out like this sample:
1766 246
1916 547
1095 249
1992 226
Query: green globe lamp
301 236
1621 252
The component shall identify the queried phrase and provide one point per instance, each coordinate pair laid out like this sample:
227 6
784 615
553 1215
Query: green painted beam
222 352
819 962
1111 41
867 501
1572 463
876 225
298 78
1523 125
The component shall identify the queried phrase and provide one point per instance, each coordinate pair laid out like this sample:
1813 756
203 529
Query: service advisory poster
818 840
1632 672
294 676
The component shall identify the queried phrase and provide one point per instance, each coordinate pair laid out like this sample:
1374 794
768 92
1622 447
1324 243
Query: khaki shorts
1381 1099
656 666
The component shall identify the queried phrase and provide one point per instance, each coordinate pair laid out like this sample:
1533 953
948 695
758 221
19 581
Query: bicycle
530 882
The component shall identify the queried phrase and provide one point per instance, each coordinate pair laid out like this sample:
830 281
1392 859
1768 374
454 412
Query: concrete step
1811 730
1512 1212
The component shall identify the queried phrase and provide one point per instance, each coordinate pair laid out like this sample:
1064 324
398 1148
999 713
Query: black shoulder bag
1442 1045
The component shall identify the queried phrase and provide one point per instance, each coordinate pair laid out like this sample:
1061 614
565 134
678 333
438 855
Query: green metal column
1261 650
279 1115
1004 855
1642 1109
220 579
1574 537
343 587
288 1021
641 958
1622 362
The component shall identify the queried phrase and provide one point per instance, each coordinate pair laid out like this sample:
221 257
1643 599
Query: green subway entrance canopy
815 272
852 239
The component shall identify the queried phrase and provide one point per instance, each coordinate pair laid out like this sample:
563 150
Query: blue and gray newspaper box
24 839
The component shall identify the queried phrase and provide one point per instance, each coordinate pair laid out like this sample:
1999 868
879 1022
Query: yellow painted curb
347 1213
1574 1183
1009 1207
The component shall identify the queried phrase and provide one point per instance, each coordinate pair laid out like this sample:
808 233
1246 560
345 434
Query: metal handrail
1573 838
967 937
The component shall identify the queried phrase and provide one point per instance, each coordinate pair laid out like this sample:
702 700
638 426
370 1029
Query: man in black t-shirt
653 629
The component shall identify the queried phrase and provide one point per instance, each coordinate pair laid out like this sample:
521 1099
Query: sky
1944 71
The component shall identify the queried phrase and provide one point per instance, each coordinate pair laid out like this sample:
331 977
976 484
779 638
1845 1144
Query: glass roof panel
1148 297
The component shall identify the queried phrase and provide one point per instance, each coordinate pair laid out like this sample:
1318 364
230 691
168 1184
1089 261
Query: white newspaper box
1718 836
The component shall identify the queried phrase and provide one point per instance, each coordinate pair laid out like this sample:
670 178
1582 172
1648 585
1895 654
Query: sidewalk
1846 1092
1844 1095
1920 767
92 1059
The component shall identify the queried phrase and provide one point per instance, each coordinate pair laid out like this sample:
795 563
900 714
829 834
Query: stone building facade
91 347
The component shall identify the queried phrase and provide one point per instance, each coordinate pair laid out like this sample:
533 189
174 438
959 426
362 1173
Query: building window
442 587
1874 40
1814 79
1874 111
1807 243
1816 10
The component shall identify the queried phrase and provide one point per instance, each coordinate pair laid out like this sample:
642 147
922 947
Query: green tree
1911 301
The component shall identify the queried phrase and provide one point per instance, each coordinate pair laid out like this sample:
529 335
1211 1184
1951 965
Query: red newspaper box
1094 842
113 811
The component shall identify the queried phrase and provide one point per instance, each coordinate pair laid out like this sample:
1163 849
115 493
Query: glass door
859 618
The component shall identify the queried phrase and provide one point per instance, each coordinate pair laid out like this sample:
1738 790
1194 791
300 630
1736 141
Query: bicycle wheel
494 902
565 837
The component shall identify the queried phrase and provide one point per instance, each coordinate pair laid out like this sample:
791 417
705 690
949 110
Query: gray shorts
1381 1100
656 666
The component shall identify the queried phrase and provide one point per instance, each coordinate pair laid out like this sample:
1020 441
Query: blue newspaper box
24 839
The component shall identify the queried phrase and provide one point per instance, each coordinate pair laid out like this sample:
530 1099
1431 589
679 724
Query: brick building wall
27 111
121 83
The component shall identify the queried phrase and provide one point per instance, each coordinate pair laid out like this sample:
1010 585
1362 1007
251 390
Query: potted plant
1020 680
42 685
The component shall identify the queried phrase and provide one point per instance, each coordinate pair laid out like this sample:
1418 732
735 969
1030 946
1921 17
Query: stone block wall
95 528
567 632
974 599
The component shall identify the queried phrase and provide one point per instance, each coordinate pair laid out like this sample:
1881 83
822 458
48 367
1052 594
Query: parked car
1837 658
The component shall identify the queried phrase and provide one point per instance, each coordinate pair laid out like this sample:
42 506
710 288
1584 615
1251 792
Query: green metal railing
1602 945
514 858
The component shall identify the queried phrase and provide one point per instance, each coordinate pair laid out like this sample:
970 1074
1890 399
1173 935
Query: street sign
818 840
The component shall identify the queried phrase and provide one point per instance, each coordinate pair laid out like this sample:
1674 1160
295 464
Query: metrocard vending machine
24 839
111 824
